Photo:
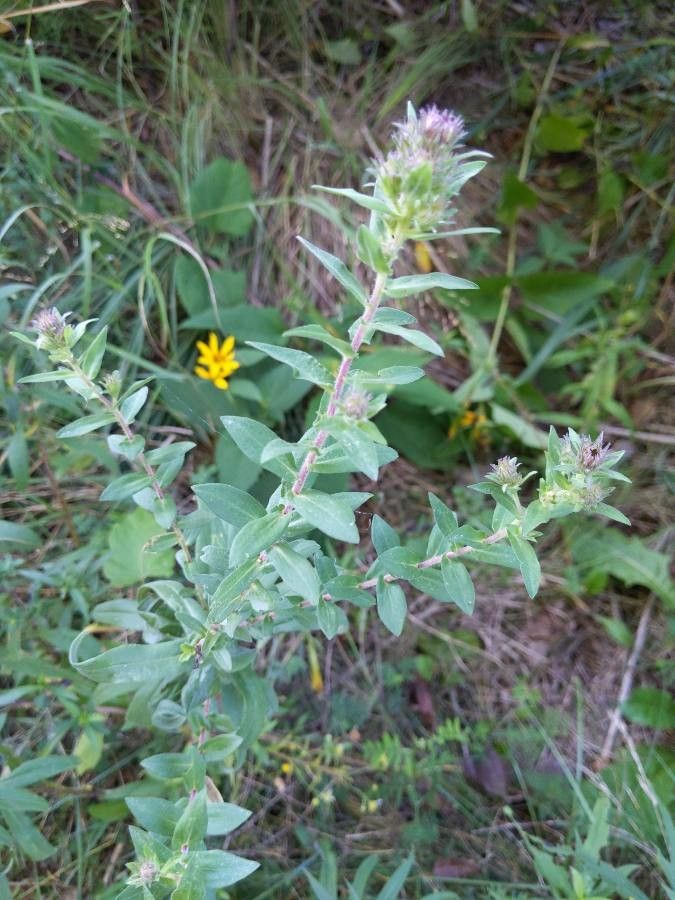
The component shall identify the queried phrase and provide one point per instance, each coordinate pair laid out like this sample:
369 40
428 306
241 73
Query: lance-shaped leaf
338 270
528 563
364 200
258 535
303 364
417 338
459 584
391 606
416 284
135 663
319 333
297 573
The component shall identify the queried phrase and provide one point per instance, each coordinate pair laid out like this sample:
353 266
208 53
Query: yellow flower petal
213 342
221 383
202 372
228 346
203 348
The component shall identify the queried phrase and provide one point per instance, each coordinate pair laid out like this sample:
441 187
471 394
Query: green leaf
131 559
257 535
319 333
344 51
12 533
358 447
92 358
39 769
154 813
57 375
227 595
523 430
370 250
391 606
338 270
528 563
459 584
133 404
560 134
515 195
392 375
85 424
383 536
190 828
297 573
330 618
229 503
650 707
219 869
303 364
135 663
120 445
333 517
394 885
225 818
364 200
444 517
417 284
220 198
88 749
417 338
252 437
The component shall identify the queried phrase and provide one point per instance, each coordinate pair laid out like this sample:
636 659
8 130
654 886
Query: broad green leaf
130 662
393 375
338 270
333 517
252 437
528 563
444 517
303 364
297 573
26 835
459 584
219 869
561 134
391 606
154 813
225 817
257 535
417 284
229 503
88 749
356 444
131 559
650 707
221 198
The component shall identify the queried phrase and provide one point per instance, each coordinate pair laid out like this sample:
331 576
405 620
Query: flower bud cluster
505 473
580 473
356 404
420 176
55 335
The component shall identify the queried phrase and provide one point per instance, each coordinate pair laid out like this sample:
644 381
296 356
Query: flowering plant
248 570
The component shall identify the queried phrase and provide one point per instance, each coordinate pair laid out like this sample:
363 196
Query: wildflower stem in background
216 362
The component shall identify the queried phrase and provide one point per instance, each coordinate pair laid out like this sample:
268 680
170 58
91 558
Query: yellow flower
216 362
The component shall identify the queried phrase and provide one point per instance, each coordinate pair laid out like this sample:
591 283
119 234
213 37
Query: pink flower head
441 125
